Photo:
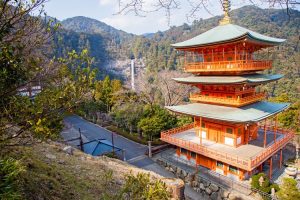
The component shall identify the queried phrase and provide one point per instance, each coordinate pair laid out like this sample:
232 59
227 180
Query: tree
288 190
142 8
155 120
66 82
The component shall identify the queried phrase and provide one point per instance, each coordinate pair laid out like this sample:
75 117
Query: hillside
52 173
108 44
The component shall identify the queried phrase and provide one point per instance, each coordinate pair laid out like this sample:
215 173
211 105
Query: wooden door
214 133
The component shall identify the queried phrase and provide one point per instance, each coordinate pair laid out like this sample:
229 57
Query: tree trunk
130 129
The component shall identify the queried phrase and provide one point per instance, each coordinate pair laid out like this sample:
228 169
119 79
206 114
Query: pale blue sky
104 10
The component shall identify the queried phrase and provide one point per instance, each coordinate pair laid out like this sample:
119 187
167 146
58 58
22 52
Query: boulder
214 196
202 186
234 196
194 183
51 156
224 193
214 187
69 150
208 191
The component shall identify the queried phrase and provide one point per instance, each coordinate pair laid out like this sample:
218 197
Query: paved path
135 153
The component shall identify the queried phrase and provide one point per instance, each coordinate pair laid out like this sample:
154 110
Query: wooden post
265 134
234 52
261 168
200 129
275 128
271 168
280 159
113 143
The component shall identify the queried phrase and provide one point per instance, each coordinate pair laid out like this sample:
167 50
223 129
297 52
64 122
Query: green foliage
291 117
266 185
140 187
155 120
288 190
10 171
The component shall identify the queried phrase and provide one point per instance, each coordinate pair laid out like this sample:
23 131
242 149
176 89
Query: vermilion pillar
271 168
200 130
265 134
280 159
275 128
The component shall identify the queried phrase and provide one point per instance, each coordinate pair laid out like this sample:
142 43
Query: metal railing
228 66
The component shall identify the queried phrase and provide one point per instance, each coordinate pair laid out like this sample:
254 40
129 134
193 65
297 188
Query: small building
235 131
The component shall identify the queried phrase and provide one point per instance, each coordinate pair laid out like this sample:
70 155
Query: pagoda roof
253 78
250 113
227 33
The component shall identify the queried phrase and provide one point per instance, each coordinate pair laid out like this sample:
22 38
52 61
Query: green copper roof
224 33
251 113
254 78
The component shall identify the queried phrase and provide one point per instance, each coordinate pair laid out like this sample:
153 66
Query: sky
105 11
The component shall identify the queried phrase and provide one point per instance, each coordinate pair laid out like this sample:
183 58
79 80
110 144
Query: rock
188 183
208 191
206 183
189 177
184 174
198 190
233 196
61 162
214 196
178 171
224 193
194 183
214 187
202 186
69 150
51 156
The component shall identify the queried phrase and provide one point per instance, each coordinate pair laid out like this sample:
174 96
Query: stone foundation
204 187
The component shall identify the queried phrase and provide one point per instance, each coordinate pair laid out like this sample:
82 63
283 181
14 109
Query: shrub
288 190
10 170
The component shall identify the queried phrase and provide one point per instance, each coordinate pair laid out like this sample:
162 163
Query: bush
266 185
10 170
288 190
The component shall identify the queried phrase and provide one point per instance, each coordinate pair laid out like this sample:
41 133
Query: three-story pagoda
231 133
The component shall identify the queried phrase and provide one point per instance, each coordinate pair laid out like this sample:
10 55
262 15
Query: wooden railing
246 164
229 101
228 66
178 129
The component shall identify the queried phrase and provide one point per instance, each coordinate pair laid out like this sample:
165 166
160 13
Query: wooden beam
265 134
280 159
271 168
275 128
200 131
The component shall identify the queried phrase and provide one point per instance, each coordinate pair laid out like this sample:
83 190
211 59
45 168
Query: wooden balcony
237 102
230 67
233 156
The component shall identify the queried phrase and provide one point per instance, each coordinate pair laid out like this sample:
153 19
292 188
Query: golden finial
226 8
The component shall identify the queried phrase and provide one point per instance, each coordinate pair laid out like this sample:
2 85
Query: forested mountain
106 43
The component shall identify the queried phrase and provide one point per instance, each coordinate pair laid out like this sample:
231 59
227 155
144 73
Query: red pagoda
234 131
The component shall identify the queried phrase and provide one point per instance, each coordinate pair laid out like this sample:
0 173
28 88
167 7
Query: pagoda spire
226 8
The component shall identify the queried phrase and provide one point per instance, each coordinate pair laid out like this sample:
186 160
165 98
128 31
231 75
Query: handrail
247 164
239 65
178 129
231 101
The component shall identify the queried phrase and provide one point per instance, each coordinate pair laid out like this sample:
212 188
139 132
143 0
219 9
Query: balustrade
229 101
227 66
247 164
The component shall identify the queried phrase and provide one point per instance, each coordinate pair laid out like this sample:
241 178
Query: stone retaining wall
204 187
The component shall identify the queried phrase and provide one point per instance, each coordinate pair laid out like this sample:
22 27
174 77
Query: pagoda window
233 169
206 95
183 151
203 125
220 164
229 130
193 155
229 59
229 97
